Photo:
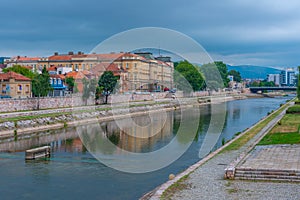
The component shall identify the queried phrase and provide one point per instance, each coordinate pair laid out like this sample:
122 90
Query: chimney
71 53
56 53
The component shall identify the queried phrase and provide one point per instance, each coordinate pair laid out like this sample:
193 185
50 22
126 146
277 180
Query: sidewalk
207 181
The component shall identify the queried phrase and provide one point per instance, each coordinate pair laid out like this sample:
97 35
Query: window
59 81
76 66
91 65
135 65
4 89
50 80
127 66
54 81
19 88
83 66
27 88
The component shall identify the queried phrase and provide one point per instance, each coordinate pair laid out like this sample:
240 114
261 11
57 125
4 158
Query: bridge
256 89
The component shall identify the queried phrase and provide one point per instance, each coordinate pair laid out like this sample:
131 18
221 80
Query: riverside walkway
207 181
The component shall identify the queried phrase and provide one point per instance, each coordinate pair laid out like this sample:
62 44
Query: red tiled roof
27 58
99 68
52 68
60 57
13 75
76 75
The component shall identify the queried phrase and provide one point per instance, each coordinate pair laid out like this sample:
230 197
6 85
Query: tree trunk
106 98
38 104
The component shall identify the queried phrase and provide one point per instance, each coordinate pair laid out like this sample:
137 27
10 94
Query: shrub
293 109
297 102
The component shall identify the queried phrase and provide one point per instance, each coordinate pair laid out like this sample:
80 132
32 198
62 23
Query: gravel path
207 181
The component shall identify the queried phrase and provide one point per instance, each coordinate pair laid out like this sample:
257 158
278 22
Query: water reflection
134 148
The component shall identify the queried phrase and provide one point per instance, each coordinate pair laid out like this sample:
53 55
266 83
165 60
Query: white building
274 78
288 77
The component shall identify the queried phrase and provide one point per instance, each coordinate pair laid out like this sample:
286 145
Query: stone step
266 176
267 179
269 172
266 170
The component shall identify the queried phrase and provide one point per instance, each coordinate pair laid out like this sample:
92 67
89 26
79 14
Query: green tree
71 83
187 76
41 85
215 75
20 70
222 67
236 75
107 82
89 88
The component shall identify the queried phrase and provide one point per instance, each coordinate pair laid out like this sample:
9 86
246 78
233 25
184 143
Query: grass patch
232 190
253 131
287 132
178 186
280 138
21 118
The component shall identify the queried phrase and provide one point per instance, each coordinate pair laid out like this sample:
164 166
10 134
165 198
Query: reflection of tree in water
95 139
114 138
236 113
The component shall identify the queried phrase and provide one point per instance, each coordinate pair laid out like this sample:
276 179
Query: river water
72 172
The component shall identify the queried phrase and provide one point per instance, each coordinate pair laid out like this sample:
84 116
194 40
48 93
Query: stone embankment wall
11 105
78 116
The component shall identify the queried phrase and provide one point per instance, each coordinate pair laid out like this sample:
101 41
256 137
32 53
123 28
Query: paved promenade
207 181
274 157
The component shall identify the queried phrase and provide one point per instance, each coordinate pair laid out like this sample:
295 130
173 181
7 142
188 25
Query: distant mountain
253 72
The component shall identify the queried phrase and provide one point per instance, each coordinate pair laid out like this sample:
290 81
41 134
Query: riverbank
205 178
23 123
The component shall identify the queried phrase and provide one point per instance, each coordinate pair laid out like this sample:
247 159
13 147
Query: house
15 85
23 61
78 77
57 83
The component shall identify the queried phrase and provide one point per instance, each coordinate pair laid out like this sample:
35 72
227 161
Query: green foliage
20 70
99 91
281 138
263 83
40 84
215 75
236 75
188 76
71 83
89 88
108 83
293 109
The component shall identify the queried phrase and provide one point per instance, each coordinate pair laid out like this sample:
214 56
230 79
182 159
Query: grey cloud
225 28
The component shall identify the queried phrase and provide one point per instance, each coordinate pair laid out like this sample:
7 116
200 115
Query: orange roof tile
76 75
25 58
52 68
13 75
60 57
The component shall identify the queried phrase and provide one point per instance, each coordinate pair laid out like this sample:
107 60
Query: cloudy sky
262 32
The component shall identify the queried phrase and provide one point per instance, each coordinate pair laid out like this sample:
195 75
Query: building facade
288 78
274 78
15 85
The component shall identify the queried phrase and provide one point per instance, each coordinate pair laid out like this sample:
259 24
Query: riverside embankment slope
27 122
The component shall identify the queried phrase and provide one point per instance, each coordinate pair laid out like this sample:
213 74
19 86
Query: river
73 173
